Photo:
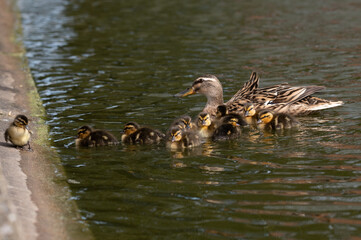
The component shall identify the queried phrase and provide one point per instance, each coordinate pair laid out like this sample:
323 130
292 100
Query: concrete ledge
34 195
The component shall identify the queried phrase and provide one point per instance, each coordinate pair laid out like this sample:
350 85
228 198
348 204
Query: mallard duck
18 132
269 120
205 125
280 98
229 129
250 114
184 122
134 134
178 139
89 137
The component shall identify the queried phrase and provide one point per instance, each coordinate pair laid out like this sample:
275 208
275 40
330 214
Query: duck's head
265 116
204 120
175 134
21 121
130 128
221 111
84 132
249 110
208 85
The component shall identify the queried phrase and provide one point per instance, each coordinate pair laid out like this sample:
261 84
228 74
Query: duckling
134 134
178 139
184 122
269 120
89 137
229 129
18 132
205 125
250 114
222 114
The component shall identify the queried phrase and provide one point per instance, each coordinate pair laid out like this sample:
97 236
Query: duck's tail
325 105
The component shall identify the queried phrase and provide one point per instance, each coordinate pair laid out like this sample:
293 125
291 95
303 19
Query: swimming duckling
184 122
250 114
230 128
18 132
269 120
134 134
205 125
180 139
221 111
89 137
222 114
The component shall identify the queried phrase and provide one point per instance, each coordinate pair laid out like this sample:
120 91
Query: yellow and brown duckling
230 128
250 114
269 120
18 132
178 138
205 125
133 133
184 122
223 114
89 137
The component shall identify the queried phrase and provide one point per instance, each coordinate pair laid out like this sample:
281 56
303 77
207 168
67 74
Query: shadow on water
105 63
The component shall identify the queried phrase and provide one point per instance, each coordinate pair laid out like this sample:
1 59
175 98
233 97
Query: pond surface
105 63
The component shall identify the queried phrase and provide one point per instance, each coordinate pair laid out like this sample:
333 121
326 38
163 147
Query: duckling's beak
204 122
27 127
188 91
246 114
259 121
173 138
188 126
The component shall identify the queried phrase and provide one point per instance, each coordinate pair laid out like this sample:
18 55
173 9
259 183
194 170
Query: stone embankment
34 196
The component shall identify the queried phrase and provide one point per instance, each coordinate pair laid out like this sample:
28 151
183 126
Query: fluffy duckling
179 139
18 132
230 128
134 134
222 115
269 120
89 137
205 125
250 114
184 122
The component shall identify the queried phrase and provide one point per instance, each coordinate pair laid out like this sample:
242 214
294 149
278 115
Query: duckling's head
21 121
204 120
175 134
130 128
184 122
208 85
221 111
233 120
249 110
84 132
265 116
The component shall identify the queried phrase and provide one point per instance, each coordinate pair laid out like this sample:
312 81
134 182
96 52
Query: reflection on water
105 63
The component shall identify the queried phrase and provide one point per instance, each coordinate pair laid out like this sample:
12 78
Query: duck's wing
295 94
249 86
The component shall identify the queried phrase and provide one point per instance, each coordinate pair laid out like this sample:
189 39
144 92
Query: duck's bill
259 121
188 91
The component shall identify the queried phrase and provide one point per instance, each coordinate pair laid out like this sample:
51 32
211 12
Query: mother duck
282 98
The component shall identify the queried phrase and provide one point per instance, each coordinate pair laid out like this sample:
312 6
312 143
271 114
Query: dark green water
105 63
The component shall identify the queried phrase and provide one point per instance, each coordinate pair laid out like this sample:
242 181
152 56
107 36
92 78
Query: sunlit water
105 63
